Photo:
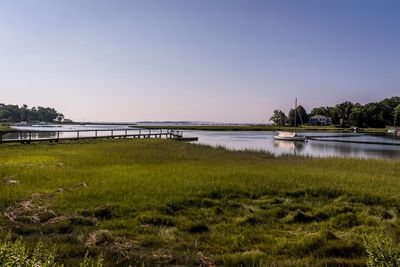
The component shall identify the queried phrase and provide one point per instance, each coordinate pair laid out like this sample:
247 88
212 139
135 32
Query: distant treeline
376 114
14 113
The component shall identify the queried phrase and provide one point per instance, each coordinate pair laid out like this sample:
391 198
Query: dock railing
51 135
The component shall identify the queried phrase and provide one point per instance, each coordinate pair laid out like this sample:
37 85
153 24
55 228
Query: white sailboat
291 136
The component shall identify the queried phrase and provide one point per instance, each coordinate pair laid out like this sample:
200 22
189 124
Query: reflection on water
294 147
25 135
249 140
69 131
265 141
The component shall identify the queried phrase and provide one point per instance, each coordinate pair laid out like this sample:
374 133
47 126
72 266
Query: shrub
90 262
382 252
15 253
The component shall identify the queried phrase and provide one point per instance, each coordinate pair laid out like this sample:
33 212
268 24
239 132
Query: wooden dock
47 135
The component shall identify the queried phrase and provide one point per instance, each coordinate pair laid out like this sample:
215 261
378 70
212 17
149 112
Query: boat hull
291 138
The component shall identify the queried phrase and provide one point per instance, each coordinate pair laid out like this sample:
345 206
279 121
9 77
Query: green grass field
159 202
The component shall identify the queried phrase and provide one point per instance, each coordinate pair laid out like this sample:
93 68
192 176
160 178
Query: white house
320 120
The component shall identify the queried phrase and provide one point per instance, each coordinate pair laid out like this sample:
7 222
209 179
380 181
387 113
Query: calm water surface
265 141
67 131
240 140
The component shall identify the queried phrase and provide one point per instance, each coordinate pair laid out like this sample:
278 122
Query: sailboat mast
295 113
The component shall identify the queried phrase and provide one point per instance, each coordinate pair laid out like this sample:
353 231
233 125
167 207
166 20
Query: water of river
263 140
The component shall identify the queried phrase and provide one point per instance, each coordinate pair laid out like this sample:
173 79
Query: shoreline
254 127
264 128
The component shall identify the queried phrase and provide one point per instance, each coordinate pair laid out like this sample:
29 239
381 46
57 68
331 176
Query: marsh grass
4 127
16 253
160 202
382 251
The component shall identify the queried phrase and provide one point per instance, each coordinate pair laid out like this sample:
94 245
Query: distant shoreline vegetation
347 114
375 115
14 114
250 127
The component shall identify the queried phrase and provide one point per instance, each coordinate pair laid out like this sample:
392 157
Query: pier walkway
51 135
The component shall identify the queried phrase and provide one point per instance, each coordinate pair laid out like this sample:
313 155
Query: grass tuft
160 202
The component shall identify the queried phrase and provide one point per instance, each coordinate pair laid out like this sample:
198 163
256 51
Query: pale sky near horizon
204 60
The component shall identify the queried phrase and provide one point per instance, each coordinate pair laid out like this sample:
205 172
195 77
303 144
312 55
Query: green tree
335 117
9 113
378 114
24 111
373 113
301 116
397 114
33 115
344 110
357 117
279 118
388 105
325 111
12 113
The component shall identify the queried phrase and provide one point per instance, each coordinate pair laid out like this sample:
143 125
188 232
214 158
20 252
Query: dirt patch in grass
99 237
36 210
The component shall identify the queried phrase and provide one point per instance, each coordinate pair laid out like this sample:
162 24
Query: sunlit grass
166 202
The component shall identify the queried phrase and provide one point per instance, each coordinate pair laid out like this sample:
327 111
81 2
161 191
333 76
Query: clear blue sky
211 60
